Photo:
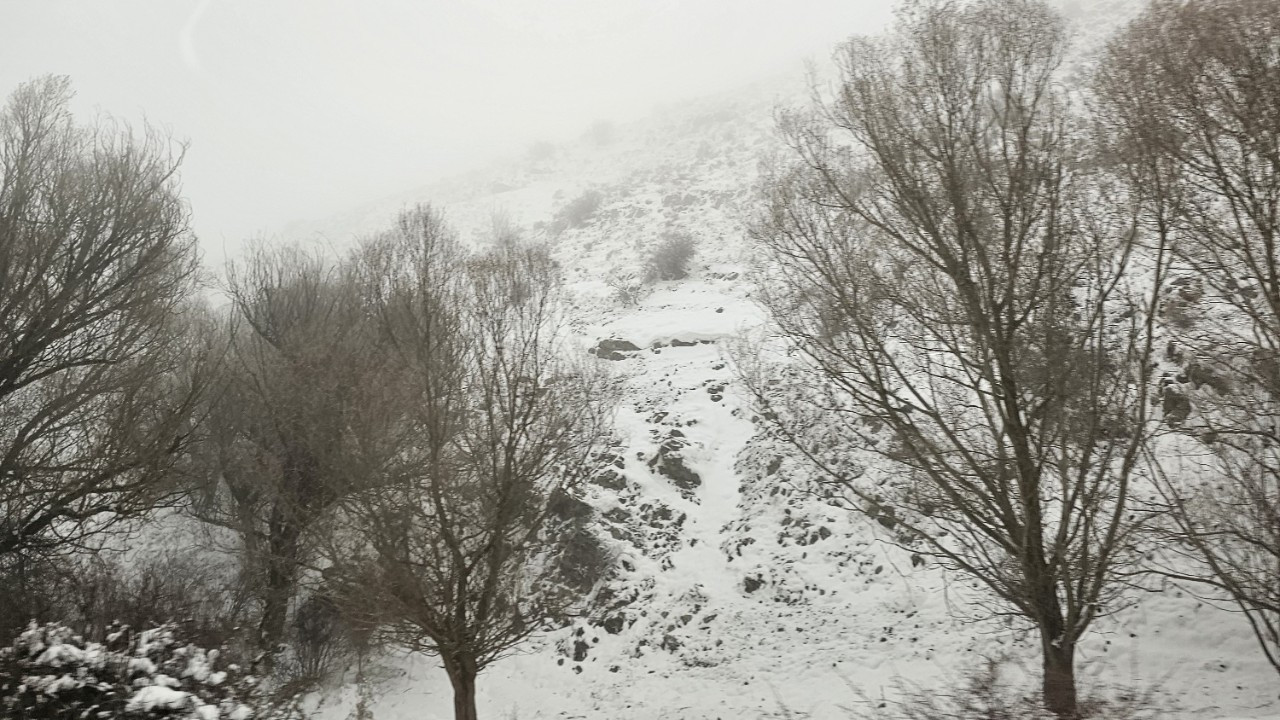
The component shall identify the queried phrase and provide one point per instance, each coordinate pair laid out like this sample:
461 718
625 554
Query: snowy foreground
837 623
736 595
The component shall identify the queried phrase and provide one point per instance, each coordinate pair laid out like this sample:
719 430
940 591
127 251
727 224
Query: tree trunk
363 711
281 567
1059 674
462 673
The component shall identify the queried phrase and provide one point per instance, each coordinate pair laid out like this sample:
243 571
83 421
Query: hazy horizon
297 109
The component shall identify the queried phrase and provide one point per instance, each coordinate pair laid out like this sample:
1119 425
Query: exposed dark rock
613 624
673 468
677 342
1200 375
1267 368
613 349
886 515
563 506
658 515
1191 291
723 276
618 515
580 650
610 480
584 561
751 584
669 462
1176 405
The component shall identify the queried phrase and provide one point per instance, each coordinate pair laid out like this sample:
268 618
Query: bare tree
296 406
448 552
959 282
1191 92
96 263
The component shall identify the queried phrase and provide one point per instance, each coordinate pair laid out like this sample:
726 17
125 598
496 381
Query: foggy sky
296 109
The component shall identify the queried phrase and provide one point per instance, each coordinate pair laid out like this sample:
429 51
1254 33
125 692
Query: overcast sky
295 109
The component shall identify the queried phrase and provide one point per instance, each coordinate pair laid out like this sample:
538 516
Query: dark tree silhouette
449 552
296 404
97 377
956 276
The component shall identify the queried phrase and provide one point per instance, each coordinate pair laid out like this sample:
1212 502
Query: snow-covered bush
170 586
628 287
50 673
89 593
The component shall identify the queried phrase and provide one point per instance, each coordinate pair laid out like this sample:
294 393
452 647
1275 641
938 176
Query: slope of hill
736 593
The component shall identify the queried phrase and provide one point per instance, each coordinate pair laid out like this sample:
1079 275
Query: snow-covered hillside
736 594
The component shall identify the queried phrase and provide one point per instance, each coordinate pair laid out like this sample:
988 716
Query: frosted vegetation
945 387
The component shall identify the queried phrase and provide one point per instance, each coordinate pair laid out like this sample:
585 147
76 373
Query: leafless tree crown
449 550
960 277
1191 92
96 378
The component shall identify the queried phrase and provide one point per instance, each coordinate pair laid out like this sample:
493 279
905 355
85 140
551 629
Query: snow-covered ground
737 595
741 603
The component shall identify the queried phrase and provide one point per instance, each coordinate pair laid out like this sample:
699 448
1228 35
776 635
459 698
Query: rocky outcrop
614 349
669 463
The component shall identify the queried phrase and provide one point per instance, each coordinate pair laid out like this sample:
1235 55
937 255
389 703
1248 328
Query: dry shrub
670 259
33 588
628 288
91 594
987 692
322 641
578 212
182 588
